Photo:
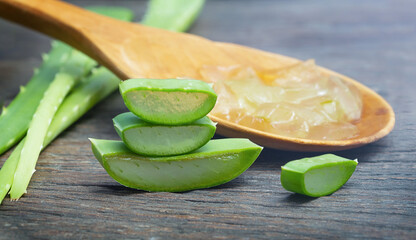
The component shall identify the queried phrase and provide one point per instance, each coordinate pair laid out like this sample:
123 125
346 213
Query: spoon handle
59 20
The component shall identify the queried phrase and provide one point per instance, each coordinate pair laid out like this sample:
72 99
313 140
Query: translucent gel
297 101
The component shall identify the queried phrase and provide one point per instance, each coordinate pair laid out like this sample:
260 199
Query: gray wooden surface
72 197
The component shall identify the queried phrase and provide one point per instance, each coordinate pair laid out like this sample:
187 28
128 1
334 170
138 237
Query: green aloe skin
14 122
86 95
91 91
168 101
317 176
174 15
165 140
217 162
75 67
72 66
119 13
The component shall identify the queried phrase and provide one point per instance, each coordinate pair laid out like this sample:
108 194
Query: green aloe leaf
317 176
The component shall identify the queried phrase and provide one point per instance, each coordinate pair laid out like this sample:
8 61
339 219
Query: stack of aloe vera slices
166 142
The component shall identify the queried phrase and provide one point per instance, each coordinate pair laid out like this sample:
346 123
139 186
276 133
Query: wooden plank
72 197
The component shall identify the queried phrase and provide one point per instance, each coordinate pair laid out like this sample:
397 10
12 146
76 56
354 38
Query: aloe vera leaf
8 169
95 88
150 139
37 132
76 66
120 13
317 176
99 85
174 15
217 162
16 117
168 101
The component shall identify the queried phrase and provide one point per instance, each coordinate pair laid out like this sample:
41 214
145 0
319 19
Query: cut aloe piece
168 101
217 162
151 139
317 176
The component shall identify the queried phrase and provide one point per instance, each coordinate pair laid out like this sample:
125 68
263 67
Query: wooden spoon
135 51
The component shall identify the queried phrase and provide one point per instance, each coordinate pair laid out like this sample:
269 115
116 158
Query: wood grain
71 196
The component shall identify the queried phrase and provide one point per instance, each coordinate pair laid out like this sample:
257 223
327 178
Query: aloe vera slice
168 101
317 176
217 162
151 139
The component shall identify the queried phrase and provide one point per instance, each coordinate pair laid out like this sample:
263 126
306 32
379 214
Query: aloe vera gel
317 176
168 101
165 139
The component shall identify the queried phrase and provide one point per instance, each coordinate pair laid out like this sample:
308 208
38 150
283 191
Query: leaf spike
45 57
54 43
22 89
94 71
3 111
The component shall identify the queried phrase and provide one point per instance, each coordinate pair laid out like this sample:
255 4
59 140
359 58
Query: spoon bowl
135 51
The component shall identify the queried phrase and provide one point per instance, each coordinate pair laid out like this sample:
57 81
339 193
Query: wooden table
72 197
